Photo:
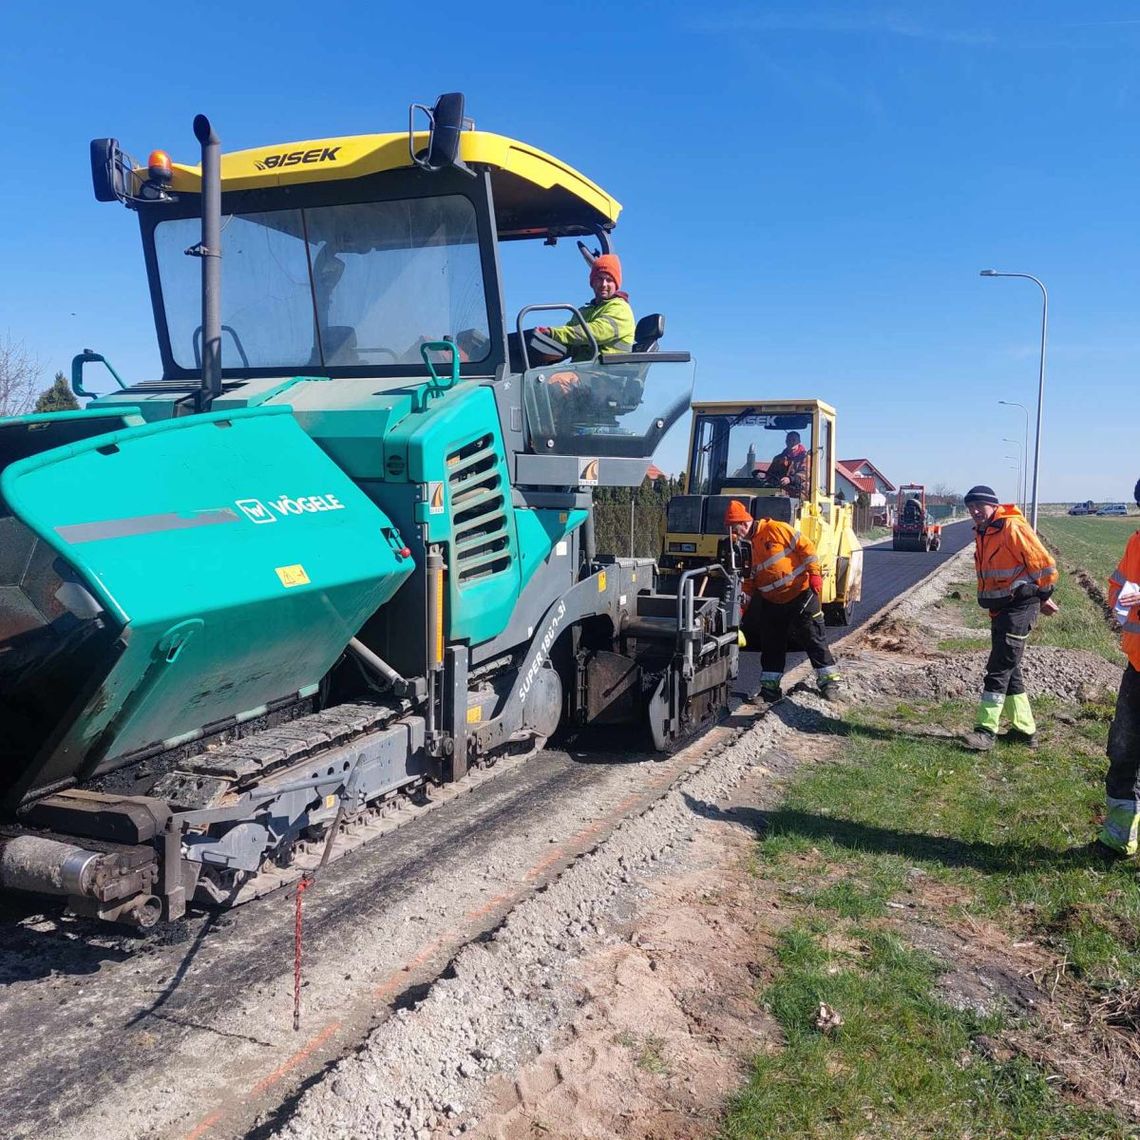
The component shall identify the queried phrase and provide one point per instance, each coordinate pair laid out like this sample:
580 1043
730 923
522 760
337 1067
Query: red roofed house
856 476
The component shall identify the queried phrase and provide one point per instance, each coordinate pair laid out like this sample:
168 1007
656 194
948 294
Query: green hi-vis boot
827 677
1022 726
1121 829
770 690
986 723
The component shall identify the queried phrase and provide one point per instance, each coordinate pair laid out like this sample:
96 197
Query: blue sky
810 189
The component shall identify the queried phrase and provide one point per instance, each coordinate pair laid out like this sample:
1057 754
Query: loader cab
739 451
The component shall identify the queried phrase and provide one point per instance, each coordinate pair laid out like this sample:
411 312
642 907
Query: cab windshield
751 449
332 286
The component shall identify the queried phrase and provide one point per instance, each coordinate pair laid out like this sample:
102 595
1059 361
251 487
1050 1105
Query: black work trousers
1121 783
1009 631
770 625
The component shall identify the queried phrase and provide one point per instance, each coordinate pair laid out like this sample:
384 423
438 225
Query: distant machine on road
914 528
1088 507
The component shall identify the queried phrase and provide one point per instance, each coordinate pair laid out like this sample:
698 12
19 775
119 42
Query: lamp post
1016 466
1019 490
1040 378
1025 447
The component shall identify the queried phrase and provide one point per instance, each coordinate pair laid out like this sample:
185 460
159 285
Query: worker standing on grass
783 591
1016 576
1120 835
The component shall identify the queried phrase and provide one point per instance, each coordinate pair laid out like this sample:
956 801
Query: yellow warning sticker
330 801
292 575
475 714
602 582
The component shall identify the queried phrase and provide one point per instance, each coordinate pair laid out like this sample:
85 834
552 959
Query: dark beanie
981 494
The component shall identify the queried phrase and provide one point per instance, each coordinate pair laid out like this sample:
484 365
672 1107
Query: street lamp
1040 378
1025 448
1016 466
1019 490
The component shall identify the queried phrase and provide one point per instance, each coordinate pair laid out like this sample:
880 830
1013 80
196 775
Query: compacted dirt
621 1001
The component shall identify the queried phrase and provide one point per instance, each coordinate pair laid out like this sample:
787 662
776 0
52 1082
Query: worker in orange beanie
783 588
608 318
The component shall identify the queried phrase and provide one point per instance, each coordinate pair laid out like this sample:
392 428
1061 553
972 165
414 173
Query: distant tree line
941 493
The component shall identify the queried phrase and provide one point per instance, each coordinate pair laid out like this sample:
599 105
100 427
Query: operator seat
339 345
625 394
648 332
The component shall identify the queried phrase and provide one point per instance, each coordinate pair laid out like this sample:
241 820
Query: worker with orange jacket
782 589
1120 835
1016 576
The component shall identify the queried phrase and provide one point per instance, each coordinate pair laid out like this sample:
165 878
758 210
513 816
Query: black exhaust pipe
210 251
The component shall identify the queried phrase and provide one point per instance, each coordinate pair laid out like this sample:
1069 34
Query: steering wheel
386 351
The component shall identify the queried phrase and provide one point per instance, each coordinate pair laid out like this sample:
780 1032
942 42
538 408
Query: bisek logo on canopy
298 157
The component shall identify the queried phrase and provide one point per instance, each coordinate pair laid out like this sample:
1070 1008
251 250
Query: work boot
830 691
1017 736
1107 854
1121 828
980 740
770 693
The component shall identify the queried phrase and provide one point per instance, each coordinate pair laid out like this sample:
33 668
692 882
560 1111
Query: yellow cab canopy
535 194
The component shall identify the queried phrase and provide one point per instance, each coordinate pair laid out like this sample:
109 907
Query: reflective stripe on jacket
611 323
1128 571
1010 561
782 559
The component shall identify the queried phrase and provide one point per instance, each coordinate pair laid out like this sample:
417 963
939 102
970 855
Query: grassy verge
875 534
906 827
1094 544
1081 624
904 865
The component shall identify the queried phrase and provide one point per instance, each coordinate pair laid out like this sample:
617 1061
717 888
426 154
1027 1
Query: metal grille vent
478 505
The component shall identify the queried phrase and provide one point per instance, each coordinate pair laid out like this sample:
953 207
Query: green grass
1081 623
1095 544
901 1064
902 813
875 534
954 644
906 822
649 1051
1000 825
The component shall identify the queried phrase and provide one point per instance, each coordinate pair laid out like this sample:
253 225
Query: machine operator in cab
789 468
783 598
608 316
